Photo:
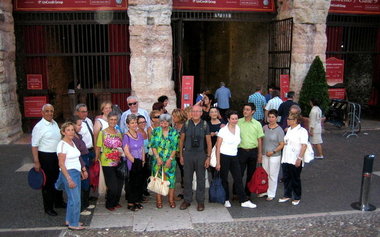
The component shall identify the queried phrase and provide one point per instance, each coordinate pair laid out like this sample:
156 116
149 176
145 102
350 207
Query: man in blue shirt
222 96
259 101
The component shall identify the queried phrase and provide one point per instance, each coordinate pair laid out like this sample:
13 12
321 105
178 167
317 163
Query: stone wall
309 35
151 51
10 117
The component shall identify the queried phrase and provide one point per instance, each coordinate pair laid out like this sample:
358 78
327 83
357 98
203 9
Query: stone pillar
309 35
151 51
10 117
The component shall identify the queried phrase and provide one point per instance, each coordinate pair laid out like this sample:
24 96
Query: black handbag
122 171
217 193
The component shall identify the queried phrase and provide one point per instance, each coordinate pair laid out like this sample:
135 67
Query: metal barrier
363 204
353 117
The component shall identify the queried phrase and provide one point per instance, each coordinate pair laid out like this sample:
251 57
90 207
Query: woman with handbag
227 160
272 145
70 175
133 146
296 140
164 143
108 144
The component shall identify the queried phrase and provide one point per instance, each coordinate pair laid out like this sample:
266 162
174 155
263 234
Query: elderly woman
227 160
272 145
292 159
70 176
101 121
164 143
108 144
315 127
133 146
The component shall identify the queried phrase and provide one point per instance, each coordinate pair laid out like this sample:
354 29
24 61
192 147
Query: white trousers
272 167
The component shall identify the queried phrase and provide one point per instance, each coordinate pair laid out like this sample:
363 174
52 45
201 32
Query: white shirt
143 112
293 139
86 134
46 135
72 155
273 103
315 119
230 141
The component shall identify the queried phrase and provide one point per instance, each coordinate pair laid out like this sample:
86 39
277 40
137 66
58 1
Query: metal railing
353 117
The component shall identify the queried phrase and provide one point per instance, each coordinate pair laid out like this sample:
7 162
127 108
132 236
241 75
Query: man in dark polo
193 157
249 151
45 138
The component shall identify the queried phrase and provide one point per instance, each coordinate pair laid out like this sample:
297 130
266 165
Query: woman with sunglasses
143 130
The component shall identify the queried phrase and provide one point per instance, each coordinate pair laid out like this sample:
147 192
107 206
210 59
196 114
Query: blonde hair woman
101 122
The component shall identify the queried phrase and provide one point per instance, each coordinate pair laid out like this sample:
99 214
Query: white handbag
309 153
159 185
213 157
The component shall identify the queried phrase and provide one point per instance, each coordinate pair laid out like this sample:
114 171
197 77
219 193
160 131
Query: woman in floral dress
108 144
164 143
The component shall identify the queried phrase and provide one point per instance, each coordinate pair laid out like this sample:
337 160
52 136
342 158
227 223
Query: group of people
156 143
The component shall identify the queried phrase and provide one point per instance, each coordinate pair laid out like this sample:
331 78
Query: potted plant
314 86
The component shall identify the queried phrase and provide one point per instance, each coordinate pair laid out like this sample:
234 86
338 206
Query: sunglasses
290 119
134 103
157 116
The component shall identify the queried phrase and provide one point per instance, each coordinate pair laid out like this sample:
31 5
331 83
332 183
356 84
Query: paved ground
329 187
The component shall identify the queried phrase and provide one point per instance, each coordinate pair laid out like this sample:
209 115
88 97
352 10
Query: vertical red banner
187 91
284 86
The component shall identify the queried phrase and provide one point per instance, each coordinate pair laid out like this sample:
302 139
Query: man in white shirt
87 126
133 103
45 138
273 103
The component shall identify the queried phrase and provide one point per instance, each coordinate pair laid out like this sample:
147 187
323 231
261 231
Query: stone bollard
363 204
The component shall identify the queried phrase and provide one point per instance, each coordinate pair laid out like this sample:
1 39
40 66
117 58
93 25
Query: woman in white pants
272 146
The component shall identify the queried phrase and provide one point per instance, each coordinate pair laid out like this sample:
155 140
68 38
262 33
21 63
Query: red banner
33 105
34 81
70 5
187 91
334 71
225 5
355 6
337 93
284 86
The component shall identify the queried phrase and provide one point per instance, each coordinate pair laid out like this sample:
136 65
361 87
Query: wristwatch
170 158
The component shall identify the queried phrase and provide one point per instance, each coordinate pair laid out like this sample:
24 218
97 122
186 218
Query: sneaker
283 199
262 195
269 198
319 157
91 207
248 204
227 204
85 213
295 202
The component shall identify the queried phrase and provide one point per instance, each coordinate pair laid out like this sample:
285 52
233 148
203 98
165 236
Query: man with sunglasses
133 105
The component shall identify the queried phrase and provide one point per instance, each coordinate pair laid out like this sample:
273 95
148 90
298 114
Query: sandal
139 206
172 204
159 205
132 208
76 228
80 224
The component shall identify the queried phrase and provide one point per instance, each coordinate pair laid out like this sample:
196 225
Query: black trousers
231 164
114 186
147 170
50 196
85 184
223 113
247 160
292 181
136 182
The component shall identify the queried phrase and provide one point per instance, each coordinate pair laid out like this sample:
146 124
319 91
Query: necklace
134 137
274 126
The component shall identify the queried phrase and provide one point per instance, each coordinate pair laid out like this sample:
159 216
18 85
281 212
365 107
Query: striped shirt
259 100
273 103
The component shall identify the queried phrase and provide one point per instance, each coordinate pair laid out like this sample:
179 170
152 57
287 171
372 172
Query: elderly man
283 110
193 136
133 104
45 138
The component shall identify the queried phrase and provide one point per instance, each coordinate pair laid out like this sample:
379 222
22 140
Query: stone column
309 35
10 117
151 51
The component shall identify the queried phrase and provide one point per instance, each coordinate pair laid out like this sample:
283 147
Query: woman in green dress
164 143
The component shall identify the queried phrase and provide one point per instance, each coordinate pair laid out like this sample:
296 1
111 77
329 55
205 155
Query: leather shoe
51 212
184 205
200 207
61 205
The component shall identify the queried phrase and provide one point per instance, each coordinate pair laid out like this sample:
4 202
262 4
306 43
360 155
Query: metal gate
280 50
83 57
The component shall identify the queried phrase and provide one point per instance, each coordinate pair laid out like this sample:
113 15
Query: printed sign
34 81
70 5
284 86
334 71
187 91
355 6
33 105
225 5
337 93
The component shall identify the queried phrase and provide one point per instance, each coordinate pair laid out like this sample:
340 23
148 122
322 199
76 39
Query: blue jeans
73 197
